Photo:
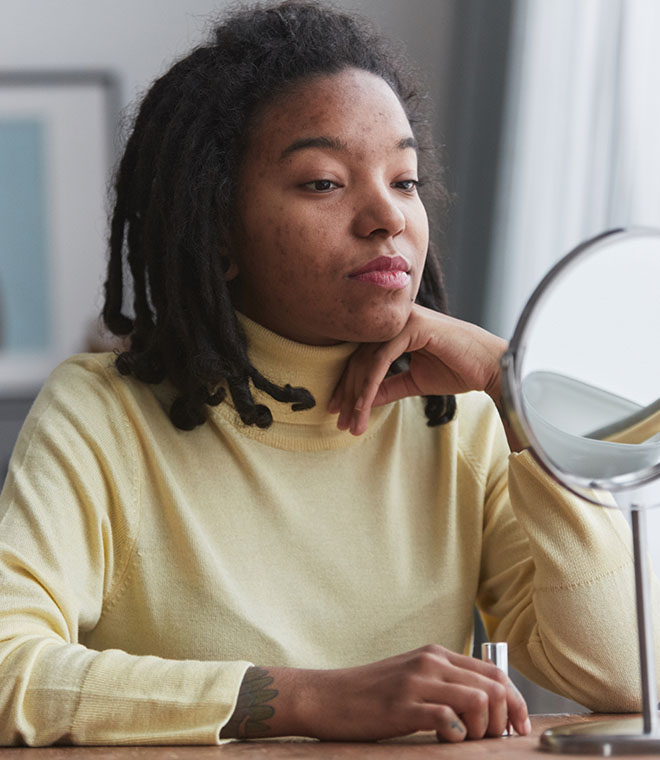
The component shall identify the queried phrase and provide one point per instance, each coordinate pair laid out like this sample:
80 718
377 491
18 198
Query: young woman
274 513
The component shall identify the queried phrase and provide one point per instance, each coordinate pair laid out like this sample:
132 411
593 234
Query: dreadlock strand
439 409
249 412
299 398
187 412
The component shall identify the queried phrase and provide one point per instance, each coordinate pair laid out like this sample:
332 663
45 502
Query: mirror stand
644 623
632 735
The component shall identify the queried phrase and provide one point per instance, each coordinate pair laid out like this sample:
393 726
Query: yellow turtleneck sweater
143 568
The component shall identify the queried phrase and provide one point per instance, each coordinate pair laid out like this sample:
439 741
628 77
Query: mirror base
607 738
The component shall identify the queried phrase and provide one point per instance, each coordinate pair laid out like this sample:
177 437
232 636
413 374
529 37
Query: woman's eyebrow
332 143
407 142
329 143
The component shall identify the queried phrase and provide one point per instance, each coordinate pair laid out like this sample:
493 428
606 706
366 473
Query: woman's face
332 234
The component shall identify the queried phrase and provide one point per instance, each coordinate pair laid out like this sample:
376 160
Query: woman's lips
393 279
391 272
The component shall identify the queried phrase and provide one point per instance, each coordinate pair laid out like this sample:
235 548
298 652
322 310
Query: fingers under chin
360 422
345 413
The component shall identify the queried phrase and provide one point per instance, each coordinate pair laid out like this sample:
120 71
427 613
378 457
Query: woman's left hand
447 356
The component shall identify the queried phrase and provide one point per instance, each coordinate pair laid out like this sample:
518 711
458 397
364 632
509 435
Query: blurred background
547 112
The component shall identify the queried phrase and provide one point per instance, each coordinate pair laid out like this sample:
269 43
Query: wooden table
419 746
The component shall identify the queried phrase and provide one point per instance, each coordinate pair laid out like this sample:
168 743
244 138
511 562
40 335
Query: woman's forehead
338 109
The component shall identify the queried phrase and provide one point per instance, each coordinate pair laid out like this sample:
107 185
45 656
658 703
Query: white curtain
581 151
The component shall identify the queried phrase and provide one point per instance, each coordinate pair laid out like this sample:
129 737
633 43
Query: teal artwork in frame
57 143
24 291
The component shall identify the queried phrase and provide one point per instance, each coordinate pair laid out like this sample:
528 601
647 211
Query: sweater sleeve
557 582
69 515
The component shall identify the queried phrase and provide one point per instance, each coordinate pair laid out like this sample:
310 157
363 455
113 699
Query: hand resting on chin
447 356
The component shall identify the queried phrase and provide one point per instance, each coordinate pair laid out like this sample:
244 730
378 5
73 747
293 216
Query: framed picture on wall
56 153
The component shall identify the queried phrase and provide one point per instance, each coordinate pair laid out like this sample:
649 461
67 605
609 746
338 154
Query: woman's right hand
428 689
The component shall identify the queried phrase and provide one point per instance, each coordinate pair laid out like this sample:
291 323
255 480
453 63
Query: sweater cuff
148 700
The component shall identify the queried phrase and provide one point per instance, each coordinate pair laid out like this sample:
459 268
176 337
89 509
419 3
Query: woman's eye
407 185
321 185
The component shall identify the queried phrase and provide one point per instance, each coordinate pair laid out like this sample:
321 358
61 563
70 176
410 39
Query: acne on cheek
305 241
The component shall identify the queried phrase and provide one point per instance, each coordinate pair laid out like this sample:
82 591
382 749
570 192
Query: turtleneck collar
316 368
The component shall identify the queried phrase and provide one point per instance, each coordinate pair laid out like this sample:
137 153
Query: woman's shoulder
95 373
83 378
475 416
474 410
87 386
480 436
83 367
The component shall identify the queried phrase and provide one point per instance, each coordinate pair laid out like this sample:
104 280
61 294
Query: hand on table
428 689
448 356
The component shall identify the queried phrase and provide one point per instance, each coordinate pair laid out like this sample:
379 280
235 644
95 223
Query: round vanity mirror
581 382
582 374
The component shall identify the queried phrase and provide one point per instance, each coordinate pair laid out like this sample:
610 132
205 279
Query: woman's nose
379 214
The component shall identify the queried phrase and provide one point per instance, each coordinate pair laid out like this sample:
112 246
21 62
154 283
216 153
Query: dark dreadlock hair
175 194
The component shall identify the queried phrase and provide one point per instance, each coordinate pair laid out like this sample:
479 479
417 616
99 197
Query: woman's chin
382 327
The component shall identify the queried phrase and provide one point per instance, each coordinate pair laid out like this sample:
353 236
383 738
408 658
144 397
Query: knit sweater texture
144 568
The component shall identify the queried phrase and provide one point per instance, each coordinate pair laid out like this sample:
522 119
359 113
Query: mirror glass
582 374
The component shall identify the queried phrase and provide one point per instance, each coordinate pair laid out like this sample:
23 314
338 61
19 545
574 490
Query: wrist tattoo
249 718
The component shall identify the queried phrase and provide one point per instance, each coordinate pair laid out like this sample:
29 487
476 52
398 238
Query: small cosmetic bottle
497 652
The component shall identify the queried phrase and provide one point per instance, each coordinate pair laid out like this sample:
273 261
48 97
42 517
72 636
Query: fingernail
527 728
333 406
359 403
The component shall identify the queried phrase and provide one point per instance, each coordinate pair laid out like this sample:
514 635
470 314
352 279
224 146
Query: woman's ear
229 267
